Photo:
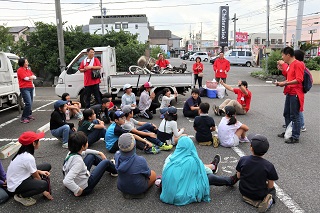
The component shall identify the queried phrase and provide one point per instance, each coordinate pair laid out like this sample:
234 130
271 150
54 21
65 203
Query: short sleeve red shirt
243 99
162 63
88 81
22 73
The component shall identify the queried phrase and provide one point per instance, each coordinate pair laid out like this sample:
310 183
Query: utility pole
200 36
234 30
299 24
268 39
285 24
60 35
102 24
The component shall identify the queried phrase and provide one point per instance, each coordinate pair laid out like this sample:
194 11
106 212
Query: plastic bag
288 132
221 91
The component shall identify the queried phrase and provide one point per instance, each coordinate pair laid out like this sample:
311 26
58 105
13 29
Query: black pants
152 110
196 77
140 145
95 90
30 186
223 79
191 113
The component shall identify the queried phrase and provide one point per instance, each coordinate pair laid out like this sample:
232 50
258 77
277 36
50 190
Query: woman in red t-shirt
25 79
198 72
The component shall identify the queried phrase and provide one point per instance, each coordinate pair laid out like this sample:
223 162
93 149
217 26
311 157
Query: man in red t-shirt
162 62
242 104
91 85
220 67
293 90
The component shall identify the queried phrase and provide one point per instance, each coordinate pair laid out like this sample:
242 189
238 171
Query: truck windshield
14 63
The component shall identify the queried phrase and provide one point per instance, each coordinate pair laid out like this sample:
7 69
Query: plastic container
212 93
221 91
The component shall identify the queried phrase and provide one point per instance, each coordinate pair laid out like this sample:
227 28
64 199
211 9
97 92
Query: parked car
203 55
186 55
239 56
213 59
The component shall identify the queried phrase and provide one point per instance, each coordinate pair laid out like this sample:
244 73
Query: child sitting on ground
92 127
135 177
73 107
204 125
115 130
166 101
191 106
111 108
4 194
231 131
168 131
77 176
145 130
257 175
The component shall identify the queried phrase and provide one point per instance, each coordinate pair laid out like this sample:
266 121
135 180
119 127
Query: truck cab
71 79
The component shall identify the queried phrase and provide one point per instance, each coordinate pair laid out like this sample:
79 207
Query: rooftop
111 19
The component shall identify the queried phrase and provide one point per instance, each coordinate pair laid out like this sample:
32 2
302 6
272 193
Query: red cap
29 137
147 85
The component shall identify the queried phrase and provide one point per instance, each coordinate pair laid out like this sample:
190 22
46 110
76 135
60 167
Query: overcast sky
179 16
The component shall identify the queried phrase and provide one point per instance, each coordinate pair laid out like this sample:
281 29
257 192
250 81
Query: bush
272 63
313 63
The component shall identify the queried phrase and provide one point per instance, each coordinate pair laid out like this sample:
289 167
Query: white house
135 24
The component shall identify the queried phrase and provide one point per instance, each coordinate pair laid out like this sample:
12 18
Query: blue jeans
219 180
301 119
27 95
96 134
3 195
147 126
96 174
95 90
292 113
62 132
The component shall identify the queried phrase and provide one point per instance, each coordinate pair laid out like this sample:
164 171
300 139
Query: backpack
307 80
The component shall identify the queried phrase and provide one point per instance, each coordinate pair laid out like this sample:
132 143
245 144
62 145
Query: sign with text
223 26
190 47
318 51
241 37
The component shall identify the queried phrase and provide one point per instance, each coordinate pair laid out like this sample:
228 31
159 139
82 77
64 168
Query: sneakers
216 110
265 204
292 140
152 150
281 135
25 121
215 162
244 140
158 182
165 147
28 201
65 145
234 179
114 163
31 118
303 129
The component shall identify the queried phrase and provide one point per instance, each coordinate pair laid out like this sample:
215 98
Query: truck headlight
60 81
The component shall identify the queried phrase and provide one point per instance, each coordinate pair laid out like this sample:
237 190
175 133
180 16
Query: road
297 164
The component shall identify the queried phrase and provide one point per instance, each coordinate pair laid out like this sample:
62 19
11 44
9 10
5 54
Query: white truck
9 87
71 79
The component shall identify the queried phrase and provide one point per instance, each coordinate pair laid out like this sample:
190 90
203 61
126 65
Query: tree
6 39
272 62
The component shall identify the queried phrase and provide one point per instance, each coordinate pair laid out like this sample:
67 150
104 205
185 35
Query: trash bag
221 91
288 132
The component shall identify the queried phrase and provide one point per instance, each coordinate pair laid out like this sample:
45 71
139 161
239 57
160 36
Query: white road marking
284 197
16 139
14 119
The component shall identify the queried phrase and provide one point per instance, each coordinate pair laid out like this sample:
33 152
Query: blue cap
118 114
59 103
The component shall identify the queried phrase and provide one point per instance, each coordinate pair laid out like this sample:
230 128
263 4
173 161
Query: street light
311 32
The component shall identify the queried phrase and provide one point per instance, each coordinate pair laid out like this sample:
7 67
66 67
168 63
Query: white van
71 79
239 56
203 55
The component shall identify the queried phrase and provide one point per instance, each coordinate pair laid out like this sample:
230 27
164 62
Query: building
135 24
310 32
20 32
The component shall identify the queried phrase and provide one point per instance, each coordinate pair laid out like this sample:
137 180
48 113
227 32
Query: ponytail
232 120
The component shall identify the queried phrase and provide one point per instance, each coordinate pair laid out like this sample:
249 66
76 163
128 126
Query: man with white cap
129 98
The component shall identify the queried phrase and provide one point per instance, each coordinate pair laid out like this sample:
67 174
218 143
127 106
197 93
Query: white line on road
16 139
284 197
14 119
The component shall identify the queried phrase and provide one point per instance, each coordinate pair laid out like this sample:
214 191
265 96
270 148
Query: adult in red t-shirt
198 69
293 90
162 62
220 67
91 85
25 79
242 104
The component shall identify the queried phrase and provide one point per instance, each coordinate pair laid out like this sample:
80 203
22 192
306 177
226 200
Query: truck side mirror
58 62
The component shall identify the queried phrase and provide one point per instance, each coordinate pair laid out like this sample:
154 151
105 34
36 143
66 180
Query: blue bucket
212 93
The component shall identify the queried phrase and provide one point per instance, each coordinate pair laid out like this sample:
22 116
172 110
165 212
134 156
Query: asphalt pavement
296 164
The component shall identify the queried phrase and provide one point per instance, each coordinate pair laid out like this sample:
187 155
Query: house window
257 41
125 26
249 41
136 26
263 41
117 26
279 41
